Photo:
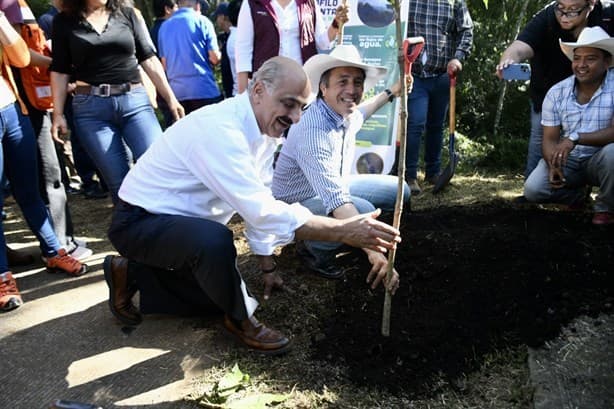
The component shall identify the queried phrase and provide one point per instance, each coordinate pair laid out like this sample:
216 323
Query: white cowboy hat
343 55
594 37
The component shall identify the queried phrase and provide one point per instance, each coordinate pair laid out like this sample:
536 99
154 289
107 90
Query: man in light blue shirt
315 164
189 50
578 144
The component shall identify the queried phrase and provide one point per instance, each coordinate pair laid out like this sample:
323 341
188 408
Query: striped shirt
317 157
561 108
447 28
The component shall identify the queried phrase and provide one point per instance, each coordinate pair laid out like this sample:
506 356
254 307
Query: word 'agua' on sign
370 41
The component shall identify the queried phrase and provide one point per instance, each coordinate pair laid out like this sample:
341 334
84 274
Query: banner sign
371 29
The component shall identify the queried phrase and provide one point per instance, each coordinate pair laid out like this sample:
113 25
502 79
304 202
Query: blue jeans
427 105
369 192
84 165
596 170
18 159
106 125
535 142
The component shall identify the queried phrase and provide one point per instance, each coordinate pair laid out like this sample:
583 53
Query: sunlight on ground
100 365
468 189
162 394
54 306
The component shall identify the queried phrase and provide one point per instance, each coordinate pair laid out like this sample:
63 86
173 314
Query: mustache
285 119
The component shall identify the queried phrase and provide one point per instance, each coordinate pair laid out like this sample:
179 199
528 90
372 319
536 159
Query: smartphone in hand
520 72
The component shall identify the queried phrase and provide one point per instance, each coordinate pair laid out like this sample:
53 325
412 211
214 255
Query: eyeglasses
571 13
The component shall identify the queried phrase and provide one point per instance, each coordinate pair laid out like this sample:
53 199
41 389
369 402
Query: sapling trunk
402 135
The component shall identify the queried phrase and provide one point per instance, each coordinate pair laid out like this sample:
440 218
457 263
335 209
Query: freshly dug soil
475 279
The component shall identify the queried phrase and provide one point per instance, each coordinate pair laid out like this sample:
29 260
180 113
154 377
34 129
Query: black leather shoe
324 267
326 270
120 291
94 191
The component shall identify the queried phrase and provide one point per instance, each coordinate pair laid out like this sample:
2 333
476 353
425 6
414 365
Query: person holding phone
538 43
578 146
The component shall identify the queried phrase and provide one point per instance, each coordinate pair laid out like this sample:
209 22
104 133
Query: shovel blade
448 172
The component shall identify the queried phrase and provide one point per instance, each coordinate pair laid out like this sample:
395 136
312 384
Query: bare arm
378 261
59 84
13 45
155 71
370 106
362 231
242 80
517 52
39 60
214 57
601 137
341 17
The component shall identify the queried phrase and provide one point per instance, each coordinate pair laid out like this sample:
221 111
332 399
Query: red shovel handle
412 47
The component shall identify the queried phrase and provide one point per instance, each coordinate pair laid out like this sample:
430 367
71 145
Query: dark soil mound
474 279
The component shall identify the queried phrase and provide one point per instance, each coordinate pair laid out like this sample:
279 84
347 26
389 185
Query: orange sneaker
64 263
9 294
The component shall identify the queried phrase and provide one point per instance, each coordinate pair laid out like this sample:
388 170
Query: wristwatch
389 94
574 137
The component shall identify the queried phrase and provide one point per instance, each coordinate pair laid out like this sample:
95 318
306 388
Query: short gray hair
268 74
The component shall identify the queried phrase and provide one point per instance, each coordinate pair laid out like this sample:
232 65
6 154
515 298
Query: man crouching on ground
169 225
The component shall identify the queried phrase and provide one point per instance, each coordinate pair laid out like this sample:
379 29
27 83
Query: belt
106 90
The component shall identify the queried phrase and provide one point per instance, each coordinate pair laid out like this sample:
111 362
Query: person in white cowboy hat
314 164
578 145
538 42
170 222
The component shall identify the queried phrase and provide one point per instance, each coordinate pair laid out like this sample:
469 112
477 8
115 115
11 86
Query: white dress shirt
211 164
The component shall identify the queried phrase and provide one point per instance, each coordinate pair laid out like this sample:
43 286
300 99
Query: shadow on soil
475 279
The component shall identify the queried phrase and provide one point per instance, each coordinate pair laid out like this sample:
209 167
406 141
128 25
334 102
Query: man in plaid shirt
448 30
578 144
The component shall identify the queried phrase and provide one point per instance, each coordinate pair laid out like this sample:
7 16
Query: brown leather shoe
258 337
120 292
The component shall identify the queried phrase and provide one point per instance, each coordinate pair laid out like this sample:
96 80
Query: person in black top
539 43
102 44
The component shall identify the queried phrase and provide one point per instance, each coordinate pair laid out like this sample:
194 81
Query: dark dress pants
181 265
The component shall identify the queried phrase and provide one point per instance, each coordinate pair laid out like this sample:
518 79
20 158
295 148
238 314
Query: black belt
106 90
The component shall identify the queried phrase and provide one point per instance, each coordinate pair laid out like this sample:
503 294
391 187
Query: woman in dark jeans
102 44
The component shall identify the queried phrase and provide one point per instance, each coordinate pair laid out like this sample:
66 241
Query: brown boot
257 336
120 291
17 258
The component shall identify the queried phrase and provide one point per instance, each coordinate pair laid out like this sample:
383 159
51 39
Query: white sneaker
80 252
79 242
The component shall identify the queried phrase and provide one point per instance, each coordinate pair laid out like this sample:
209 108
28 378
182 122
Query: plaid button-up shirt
447 29
561 108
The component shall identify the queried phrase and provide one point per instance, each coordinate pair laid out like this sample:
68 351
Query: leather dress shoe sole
258 343
107 267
